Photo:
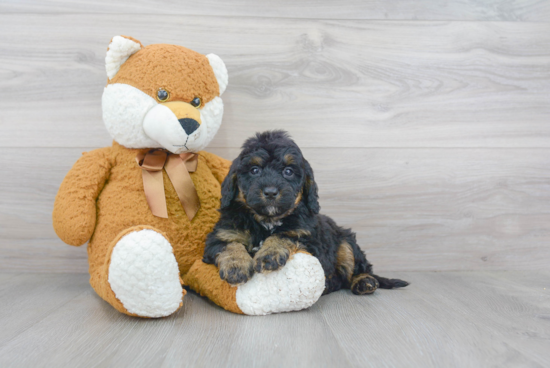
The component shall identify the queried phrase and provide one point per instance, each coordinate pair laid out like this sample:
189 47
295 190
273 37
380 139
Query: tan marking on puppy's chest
298 233
274 242
234 236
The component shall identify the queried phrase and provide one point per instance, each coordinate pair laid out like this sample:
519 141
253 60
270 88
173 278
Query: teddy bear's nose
189 125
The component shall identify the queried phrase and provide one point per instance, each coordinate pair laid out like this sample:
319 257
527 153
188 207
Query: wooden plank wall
427 123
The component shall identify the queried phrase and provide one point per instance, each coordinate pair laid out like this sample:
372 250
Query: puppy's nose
271 192
189 125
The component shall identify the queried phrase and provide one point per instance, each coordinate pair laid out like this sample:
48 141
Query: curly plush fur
167 97
136 259
270 209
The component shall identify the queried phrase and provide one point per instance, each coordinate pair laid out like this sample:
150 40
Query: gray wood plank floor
443 319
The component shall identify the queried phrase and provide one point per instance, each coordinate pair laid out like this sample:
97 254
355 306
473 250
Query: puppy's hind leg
390 283
363 284
352 270
368 283
363 280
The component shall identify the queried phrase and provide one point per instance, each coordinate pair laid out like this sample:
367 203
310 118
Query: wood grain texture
468 319
42 255
470 10
332 83
412 209
26 299
452 320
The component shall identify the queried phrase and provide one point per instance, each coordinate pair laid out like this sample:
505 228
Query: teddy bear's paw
144 274
298 285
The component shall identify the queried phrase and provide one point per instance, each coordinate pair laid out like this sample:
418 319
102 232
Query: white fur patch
135 120
271 210
211 116
144 274
124 108
271 225
298 285
220 71
120 49
163 126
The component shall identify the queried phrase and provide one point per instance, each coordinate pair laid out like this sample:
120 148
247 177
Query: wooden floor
444 319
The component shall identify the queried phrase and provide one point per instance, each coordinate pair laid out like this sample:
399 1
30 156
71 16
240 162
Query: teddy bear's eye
162 94
197 102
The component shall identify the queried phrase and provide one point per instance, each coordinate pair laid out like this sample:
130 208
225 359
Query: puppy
270 208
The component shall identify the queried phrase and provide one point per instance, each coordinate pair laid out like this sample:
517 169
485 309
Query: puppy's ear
229 185
311 198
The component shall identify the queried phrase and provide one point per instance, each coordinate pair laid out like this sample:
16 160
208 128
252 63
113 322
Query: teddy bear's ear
220 71
120 49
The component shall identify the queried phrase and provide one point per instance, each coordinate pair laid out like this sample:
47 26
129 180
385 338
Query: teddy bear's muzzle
188 115
175 125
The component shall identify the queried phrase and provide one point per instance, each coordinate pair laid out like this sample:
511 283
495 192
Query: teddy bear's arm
74 211
219 166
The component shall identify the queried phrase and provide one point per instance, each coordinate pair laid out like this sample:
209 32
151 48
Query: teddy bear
146 204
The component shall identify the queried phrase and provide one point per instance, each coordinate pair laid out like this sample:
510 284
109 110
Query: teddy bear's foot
298 285
144 274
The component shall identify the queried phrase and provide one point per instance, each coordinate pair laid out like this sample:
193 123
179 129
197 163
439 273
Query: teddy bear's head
162 96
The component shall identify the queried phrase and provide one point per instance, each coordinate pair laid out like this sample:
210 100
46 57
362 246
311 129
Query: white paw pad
298 285
144 274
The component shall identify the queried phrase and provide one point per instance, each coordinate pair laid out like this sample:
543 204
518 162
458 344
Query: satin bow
178 168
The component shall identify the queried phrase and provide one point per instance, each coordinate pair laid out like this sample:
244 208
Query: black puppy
270 208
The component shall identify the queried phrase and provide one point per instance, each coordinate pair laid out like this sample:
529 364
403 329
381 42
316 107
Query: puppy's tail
385 283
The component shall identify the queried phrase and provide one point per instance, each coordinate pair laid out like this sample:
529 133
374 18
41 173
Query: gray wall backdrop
427 122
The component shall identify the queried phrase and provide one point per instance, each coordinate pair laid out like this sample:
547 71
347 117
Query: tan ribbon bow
178 168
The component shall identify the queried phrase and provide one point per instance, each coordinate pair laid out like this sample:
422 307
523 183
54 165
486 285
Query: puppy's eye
197 102
255 170
162 94
288 172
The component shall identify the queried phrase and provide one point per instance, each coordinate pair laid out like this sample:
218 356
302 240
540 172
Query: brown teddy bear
146 203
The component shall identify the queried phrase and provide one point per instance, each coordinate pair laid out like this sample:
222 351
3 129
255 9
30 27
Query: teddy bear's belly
122 204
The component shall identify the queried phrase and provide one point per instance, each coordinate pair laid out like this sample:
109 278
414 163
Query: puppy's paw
270 258
237 271
235 264
364 284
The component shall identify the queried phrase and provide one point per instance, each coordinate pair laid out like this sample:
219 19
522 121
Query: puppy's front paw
235 265
236 271
270 258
